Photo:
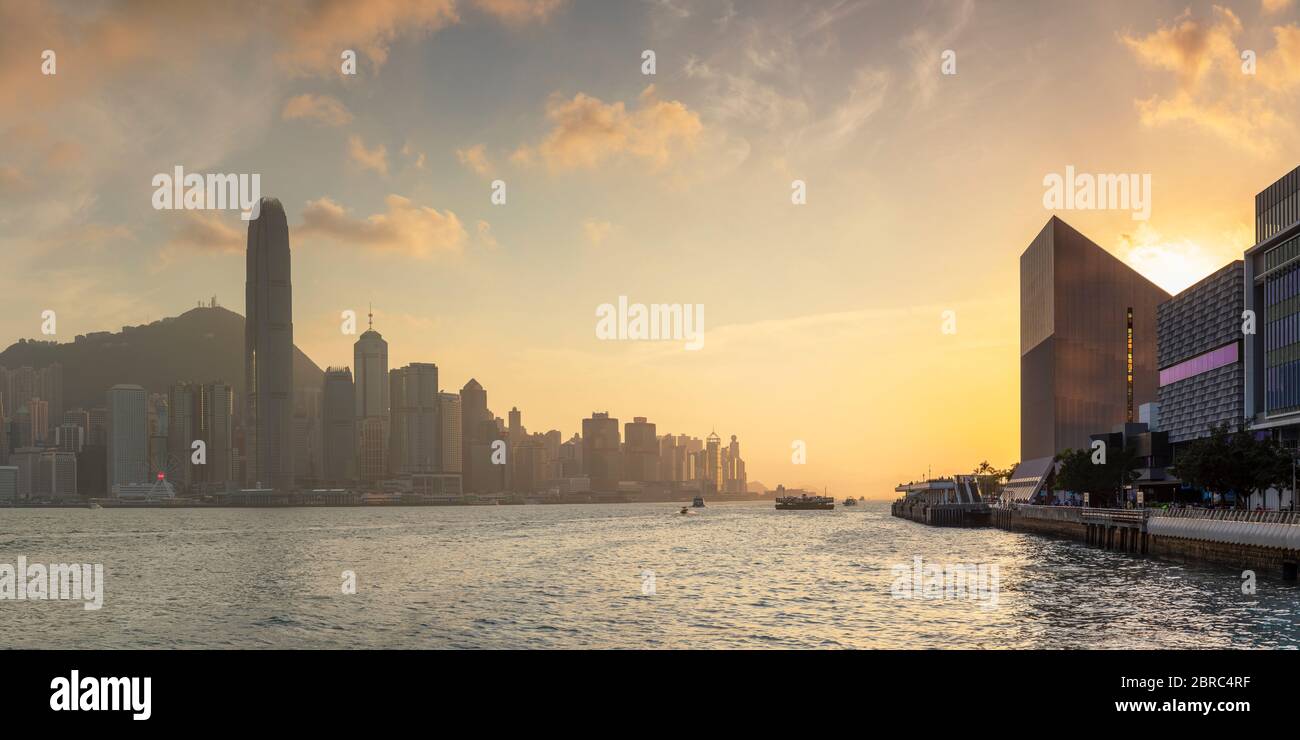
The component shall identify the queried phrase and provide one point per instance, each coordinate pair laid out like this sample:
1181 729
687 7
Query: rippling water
729 576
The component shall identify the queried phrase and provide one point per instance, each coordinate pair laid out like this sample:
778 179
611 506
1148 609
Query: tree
1104 481
1236 462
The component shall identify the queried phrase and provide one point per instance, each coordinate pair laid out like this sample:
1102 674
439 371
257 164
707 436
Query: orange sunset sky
822 321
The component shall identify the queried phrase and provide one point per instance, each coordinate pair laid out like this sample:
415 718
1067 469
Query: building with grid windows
1272 296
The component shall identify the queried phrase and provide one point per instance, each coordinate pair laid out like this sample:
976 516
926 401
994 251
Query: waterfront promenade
1265 541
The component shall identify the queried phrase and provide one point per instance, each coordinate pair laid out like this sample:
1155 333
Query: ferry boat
850 501
698 503
786 499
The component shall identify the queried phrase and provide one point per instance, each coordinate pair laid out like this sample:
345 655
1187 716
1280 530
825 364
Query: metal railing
1122 516
1231 515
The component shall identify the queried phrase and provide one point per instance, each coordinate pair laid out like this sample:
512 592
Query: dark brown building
1087 341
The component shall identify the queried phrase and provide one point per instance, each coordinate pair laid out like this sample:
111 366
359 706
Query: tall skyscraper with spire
268 351
370 359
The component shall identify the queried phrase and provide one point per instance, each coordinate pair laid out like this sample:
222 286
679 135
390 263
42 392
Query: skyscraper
339 412
602 459
128 443
449 422
1087 342
370 360
713 467
415 447
1272 291
640 450
268 350
473 414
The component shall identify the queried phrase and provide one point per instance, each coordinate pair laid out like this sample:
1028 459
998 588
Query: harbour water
606 576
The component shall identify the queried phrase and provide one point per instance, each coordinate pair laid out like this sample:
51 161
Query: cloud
476 159
208 231
519 12
1213 92
319 32
1275 6
486 238
368 159
405 229
324 109
596 231
588 132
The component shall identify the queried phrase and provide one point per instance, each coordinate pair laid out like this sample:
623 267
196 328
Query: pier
1265 541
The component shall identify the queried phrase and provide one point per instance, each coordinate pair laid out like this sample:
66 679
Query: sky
877 323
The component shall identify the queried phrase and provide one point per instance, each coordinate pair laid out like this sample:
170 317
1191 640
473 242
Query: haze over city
824 320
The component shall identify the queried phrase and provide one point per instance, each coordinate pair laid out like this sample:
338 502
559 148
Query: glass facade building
1272 295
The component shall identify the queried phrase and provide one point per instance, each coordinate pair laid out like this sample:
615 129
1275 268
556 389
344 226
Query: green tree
1104 482
1228 461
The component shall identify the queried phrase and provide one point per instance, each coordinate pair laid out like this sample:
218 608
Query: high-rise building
713 467
8 483
27 461
1087 341
370 363
474 434
128 443
414 439
39 412
57 475
528 463
601 454
199 411
1272 294
449 422
97 432
340 423
640 450
268 350
1202 377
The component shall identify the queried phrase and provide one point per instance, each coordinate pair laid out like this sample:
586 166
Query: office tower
69 438
528 465
339 408
449 422
1087 341
39 417
92 464
1202 378
307 435
181 432
97 432
57 475
8 484
516 433
80 417
199 412
372 449
27 461
49 387
713 462
268 350
473 414
370 363
22 386
640 450
413 398
128 443
551 442
601 455
734 478
1272 279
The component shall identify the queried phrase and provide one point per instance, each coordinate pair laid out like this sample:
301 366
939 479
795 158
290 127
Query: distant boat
850 501
698 503
94 505
805 502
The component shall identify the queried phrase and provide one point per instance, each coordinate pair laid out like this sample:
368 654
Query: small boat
850 501
94 505
684 511
698 503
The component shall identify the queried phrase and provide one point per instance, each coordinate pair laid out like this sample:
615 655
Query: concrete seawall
1266 542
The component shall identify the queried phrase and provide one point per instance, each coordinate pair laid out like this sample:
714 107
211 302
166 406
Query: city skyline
666 187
